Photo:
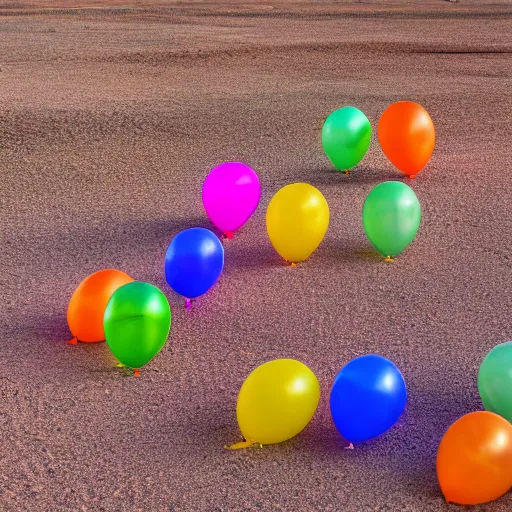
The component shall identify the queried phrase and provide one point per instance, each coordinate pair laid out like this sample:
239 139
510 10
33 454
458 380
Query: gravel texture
110 118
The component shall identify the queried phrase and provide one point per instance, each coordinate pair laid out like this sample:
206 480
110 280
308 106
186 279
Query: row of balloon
279 398
135 317
474 460
368 396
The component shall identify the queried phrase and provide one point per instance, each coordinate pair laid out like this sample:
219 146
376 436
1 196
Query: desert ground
111 115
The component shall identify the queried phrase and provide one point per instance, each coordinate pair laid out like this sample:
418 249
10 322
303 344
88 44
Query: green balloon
495 380
137 321
346 136
391 217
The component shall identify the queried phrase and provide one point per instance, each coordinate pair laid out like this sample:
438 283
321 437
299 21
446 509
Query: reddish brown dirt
109 120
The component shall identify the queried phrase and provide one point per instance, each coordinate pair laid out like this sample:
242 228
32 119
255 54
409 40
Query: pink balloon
231 193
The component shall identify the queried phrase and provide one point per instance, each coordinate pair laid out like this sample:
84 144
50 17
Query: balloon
495 380
231 193
88 303
346 136
193 262
407 136
474 459
367 398
391 217
137 322
277 401
297 220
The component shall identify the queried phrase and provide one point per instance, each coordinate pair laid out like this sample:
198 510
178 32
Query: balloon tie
136 372
389 259
73 341
242 444
412 176
188 303
349 447
228 235
347 172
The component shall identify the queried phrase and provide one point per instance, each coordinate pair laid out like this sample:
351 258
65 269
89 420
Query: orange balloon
474 459
407 136
89 301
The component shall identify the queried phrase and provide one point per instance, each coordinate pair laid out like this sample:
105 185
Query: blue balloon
367 398
193 262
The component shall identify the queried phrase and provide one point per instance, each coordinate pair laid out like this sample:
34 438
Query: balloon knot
188 303
120 365
228 235
412 176
389 259
293 265
349 447
347 173
242 444
73 341
136 372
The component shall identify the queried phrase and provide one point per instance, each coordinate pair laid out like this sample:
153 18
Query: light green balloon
391 217
495 380
137 321
346 137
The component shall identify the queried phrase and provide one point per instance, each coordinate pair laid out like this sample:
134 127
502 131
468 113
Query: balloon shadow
349 251
41 341
409 448
108 244
357 176
47 328
366 174
198 428
250 257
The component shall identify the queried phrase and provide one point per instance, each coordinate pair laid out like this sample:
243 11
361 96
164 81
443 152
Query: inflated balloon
391 217
137 323
193 262
474 459
346 137
367 398
297 220
495 380
88 302
231 193
407 136
276 402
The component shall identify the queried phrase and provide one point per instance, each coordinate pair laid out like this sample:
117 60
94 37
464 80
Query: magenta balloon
231 193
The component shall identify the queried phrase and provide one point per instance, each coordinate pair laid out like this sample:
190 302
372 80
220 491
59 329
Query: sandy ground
109 121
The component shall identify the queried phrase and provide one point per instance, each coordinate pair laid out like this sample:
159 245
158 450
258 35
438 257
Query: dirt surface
110 118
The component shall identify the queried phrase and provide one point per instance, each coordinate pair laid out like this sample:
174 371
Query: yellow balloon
297 220
276 401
